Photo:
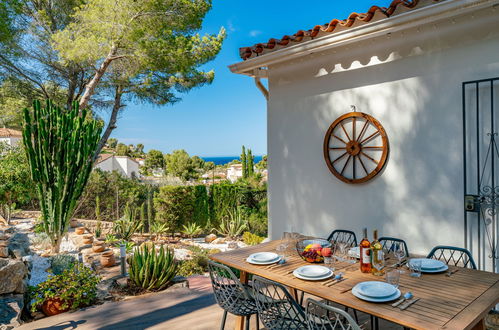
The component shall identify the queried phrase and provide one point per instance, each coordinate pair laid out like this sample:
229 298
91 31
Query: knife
408 304
395 304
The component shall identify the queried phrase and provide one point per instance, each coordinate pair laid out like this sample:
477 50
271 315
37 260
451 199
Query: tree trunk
90 88
112 121
56 245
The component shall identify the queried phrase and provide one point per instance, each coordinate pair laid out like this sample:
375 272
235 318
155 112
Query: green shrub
61 262
111 239
128 245
252 239
151 270
233 225
190 267
75 287
191 230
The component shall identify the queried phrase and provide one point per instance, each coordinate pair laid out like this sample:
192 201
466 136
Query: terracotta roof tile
375 13
103 157
7 132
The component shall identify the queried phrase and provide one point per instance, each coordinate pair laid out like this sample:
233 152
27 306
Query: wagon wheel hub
353 148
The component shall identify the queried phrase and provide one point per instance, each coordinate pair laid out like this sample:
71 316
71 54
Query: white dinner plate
328 275
251 261
313 271
356 293
429 264
376 289
263 256
439 270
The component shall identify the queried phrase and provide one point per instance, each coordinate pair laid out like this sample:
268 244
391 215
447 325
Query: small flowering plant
75 287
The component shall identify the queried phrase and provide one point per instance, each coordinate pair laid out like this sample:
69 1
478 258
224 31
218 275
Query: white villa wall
123 165
410 82
11 141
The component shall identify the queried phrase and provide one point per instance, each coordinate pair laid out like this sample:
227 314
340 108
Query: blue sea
225 160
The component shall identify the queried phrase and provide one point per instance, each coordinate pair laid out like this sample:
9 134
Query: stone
4 251
180 282
210 238
19 245
122 282
220 240
11 307
12 273
233 245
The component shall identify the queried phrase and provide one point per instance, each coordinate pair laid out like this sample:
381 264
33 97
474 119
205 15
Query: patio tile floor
191 308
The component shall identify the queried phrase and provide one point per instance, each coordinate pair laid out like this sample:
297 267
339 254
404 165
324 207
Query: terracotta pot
88 239
80 230
53 306
107 259
73 223
98 246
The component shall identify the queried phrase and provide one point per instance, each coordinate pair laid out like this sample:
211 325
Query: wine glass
399 252
378 262
341 248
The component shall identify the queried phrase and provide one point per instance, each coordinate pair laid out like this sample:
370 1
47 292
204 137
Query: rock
4 251
10 311
233 245
220 240
180 282
210 238
122 282
19 245
12 273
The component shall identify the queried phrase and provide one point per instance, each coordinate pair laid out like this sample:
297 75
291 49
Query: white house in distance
11 137
426 72
234 172
123 164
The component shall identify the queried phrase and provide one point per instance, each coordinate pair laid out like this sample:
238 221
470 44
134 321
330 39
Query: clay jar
53 306
98 246
107 259
73 223
80 230
88 239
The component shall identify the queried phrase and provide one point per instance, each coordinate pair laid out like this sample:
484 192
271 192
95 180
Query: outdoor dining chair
233 296
389 244
453 255
277 309
321 316
344 236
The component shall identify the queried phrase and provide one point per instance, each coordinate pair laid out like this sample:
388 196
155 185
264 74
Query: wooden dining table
459 301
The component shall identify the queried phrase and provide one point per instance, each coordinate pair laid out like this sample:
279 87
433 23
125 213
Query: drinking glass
287 242
352 259
393 277
415 267
281 251
341 251
329 262
379 263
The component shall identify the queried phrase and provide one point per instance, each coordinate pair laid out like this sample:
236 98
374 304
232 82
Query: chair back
276 307
321 316
390 243
452 255
344 236
228 290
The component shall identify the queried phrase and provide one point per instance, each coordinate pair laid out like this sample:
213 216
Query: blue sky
217 119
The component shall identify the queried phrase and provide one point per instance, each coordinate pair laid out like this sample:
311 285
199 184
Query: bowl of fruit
313 250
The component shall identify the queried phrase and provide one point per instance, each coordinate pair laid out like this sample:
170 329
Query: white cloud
254 33
230 26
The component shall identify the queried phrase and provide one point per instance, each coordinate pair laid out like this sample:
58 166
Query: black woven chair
321 316
390 243
341 235
276 307
453 255
233 296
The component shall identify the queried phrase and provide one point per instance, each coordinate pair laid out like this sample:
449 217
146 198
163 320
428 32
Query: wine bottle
377 256
365 255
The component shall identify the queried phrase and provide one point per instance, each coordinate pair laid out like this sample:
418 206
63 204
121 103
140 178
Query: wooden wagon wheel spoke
370 158
354 148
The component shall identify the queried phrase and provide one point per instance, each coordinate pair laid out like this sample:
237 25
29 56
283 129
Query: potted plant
73 288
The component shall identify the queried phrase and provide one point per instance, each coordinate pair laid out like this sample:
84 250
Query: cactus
152 270
98 229
150 210
60 145
143 217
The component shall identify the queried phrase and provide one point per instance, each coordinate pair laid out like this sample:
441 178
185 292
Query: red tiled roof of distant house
7 132
103 157
374 14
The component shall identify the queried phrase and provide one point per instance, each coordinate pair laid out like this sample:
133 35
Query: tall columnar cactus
60 145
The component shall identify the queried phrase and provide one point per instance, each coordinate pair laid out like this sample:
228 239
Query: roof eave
410 19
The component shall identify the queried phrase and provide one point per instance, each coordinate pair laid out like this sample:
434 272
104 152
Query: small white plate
376 289
439 270
356 293
251 261
328 275
263 256
429 264
313 271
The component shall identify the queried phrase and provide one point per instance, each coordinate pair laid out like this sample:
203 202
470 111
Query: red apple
326 252
316 247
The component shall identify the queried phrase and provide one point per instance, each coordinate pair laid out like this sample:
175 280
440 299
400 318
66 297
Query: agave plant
152 270
127 225
111 239
129 245
191 230
159 228
233 225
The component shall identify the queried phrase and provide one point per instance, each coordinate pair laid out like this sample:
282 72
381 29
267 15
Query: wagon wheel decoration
355 147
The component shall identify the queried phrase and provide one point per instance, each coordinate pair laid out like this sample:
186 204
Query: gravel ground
39 271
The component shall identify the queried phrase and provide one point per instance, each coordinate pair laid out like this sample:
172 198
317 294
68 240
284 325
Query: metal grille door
481 161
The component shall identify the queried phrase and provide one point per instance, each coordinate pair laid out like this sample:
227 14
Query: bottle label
366 258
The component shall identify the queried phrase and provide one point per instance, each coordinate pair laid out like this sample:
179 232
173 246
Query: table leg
294 293
240 324
479 326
